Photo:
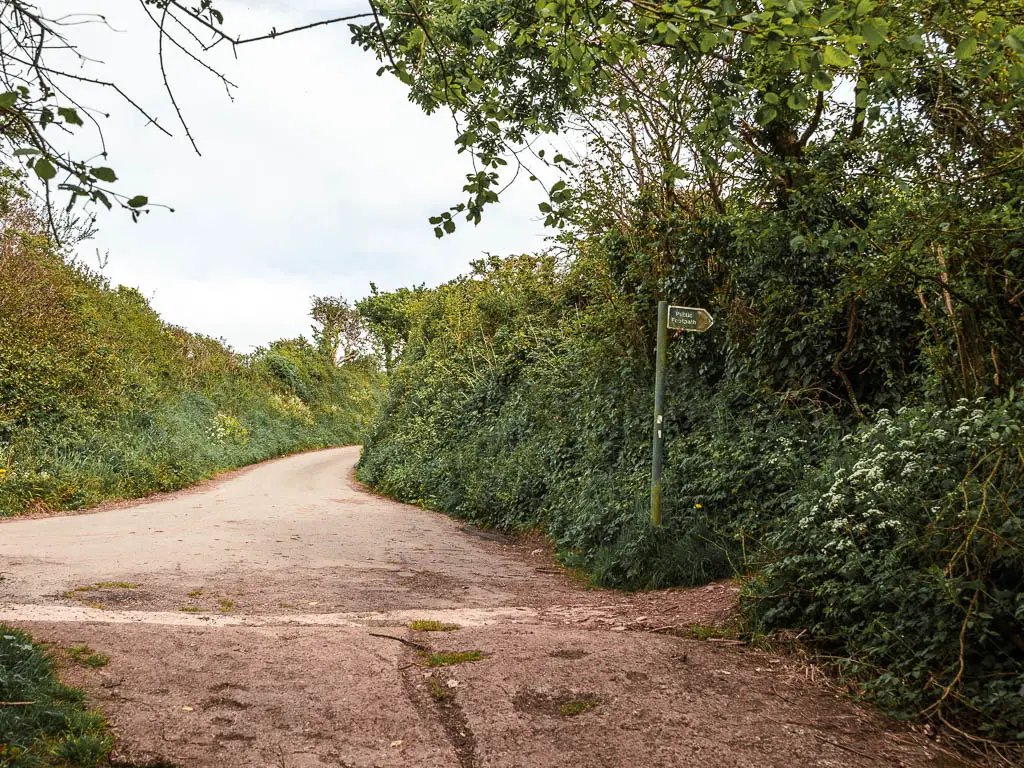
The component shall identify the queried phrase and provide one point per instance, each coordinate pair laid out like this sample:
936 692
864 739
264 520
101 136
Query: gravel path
262 620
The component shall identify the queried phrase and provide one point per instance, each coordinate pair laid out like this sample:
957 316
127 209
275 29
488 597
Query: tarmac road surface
261 619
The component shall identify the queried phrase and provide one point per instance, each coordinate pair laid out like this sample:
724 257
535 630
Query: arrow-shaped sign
689 319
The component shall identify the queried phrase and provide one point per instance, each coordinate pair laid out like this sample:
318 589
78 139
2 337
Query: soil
261 620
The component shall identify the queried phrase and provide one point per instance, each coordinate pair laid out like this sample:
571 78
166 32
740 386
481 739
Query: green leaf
69 115
864 7
105 174
449 226
771 98
967 48
831 14
836 57
821 81
44 169
8 100
767 115
138 201
874 31
798 100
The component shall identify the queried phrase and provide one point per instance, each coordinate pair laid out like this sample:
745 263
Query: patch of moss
85 656
577 706
428 625
448 659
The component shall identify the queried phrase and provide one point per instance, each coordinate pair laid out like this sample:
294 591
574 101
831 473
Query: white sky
317 179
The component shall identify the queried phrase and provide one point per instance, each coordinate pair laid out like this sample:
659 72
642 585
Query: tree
854 147
42 75
337 328
388 320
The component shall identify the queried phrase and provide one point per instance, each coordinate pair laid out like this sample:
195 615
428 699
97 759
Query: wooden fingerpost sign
678 319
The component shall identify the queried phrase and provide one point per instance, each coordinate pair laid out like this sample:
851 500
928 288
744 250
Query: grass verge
42 722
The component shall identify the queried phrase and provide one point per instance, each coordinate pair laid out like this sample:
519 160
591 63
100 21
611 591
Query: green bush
904 557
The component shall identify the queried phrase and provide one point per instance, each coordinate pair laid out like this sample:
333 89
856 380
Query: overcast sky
318 177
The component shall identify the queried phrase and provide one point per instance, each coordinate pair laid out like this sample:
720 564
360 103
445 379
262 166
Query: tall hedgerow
100 398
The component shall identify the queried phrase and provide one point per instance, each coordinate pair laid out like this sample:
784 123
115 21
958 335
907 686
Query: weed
196 593
116 585
437 691
448 659
428 625
226 606
85 656
84 749
711 632
190 609
578 705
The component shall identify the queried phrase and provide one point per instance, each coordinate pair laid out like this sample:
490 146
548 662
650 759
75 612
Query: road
262 620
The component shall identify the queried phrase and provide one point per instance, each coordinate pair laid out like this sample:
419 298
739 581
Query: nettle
904 555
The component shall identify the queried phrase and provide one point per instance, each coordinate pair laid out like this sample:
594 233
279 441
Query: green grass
428 625
437 691
448 659
226 606
85 656
55 729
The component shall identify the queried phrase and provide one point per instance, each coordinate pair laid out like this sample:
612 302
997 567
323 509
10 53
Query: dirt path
261 620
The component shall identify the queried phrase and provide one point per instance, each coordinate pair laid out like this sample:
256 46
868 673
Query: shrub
904 557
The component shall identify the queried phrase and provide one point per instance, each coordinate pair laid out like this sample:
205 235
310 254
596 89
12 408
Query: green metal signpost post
678 319
659 412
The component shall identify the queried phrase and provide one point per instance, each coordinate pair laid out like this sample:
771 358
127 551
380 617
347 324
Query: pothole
560 704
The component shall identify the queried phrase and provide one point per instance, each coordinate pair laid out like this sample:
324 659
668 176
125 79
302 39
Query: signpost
678 319
689 319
